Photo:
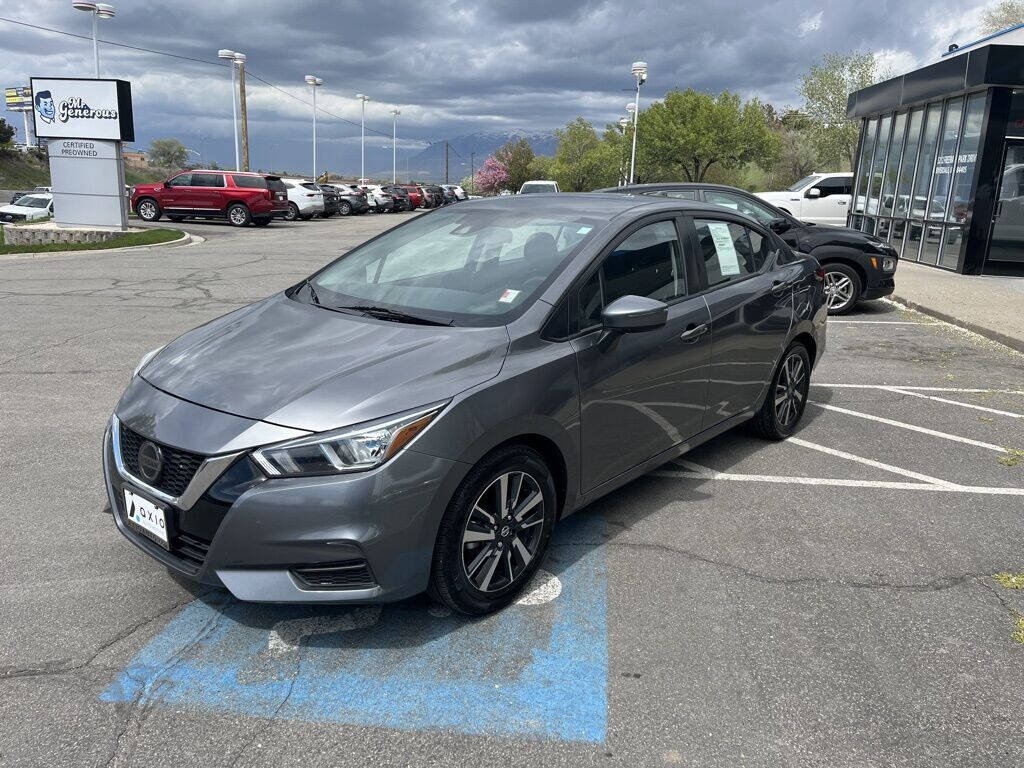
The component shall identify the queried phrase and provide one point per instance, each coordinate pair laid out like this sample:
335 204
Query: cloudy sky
454 67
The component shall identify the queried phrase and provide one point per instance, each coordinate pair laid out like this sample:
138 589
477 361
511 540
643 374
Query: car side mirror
778 225
632 314
814 192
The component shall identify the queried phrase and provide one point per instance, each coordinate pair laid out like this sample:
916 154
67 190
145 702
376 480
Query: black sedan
331 201
401 197
350 200
857 265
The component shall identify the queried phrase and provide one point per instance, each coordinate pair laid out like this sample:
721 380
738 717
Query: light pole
243 115
98 11
314 82
640 73
394 144
225 53
623 124
362 136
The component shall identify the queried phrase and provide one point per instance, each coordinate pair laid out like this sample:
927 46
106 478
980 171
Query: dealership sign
71 108
18 99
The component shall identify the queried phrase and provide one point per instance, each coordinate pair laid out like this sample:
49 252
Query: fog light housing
888 264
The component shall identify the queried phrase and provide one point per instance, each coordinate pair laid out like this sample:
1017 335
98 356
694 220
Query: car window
839 185
730 251
647 263
181 180
207 179
311 186
802 183
741 204
678 194
250 182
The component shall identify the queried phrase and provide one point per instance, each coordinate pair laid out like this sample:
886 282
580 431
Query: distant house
136 159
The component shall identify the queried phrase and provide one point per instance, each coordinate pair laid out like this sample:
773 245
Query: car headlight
349 449
145 359
888 264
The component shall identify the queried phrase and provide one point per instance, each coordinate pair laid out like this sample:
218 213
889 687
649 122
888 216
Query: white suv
305 199
821 198
456 190
533 187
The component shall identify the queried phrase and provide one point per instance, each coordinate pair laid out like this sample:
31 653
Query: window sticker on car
508 296
583 230
728 262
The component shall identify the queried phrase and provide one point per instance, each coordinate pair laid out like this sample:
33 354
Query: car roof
584 203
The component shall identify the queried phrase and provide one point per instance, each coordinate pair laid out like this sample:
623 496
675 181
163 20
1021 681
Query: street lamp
623 124
314 82
640 73
362 136
98 11
394 144
225 53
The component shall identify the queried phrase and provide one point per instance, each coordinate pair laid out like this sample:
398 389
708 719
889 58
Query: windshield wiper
384 313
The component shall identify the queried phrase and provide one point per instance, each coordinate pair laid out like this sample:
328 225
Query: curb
185 239
1008 341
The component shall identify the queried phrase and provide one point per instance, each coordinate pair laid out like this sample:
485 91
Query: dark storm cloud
456 66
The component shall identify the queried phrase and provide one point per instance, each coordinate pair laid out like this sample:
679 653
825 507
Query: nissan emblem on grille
151 461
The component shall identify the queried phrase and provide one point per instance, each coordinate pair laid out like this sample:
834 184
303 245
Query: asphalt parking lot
825 601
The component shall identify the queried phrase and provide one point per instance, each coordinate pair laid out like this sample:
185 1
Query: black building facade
939 170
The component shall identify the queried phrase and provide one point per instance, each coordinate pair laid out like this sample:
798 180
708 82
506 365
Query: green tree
516 156
689 133
1003 15
6 132
541 167
167 153
826 88
582 162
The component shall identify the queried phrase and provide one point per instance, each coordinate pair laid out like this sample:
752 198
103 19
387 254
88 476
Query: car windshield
532 188
33 202
468 267
803 182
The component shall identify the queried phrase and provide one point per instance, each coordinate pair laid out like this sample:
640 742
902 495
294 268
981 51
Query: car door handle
693 332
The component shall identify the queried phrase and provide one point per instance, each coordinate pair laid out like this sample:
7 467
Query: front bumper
272 534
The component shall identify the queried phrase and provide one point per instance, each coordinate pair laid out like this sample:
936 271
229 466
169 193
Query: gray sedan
418 414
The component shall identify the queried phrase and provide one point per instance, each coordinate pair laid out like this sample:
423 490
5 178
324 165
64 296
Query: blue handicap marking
538 668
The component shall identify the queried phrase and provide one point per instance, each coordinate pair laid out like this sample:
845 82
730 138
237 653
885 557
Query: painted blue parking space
538 668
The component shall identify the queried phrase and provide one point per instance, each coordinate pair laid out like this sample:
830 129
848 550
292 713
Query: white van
534 187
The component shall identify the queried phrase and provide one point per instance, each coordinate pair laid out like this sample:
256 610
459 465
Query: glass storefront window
899 229
950 253
923 179
930 238
866 153
966 160
892 165
945 161
902 205
878 164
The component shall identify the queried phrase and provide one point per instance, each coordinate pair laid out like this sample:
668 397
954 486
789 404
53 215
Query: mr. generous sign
71 108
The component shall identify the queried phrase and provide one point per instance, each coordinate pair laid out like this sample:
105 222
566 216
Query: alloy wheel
237 215
790 390
503 532
838 290
147 210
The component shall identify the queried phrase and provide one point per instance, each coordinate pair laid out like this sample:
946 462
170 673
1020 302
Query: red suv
415 196
241 198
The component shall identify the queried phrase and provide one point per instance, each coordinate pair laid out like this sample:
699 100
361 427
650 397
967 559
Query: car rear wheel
787 396
148 209
495 531
239 215
842 288
293 212
344 209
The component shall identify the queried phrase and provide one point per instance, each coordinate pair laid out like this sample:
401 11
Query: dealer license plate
146 516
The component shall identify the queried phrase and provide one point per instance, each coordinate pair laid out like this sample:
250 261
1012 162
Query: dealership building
940 164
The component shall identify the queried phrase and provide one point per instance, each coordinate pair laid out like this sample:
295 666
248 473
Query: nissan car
418 414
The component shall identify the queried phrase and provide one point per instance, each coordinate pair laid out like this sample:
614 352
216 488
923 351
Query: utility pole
242 111
446 161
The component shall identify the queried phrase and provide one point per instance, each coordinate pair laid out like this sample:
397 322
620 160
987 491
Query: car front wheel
787 396
148 210
494 532
842 288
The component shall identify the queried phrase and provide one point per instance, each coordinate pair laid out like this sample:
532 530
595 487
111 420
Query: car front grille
351 574
179 467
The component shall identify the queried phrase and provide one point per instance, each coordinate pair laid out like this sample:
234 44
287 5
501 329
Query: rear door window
207 179
730 251
250 182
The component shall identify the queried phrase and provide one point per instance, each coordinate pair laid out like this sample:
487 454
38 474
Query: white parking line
912 427
700 472
877 322
903 391
918 389
869 462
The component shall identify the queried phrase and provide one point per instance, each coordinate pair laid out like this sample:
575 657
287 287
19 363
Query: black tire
450 580
262 221
293 212
345 208
175 218
148 209
238 215
774 420
842 288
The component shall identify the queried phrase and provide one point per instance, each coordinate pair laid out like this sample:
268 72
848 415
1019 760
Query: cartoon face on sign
44 106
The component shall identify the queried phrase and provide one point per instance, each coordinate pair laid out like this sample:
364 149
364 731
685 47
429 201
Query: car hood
302 366
22 209
772 197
